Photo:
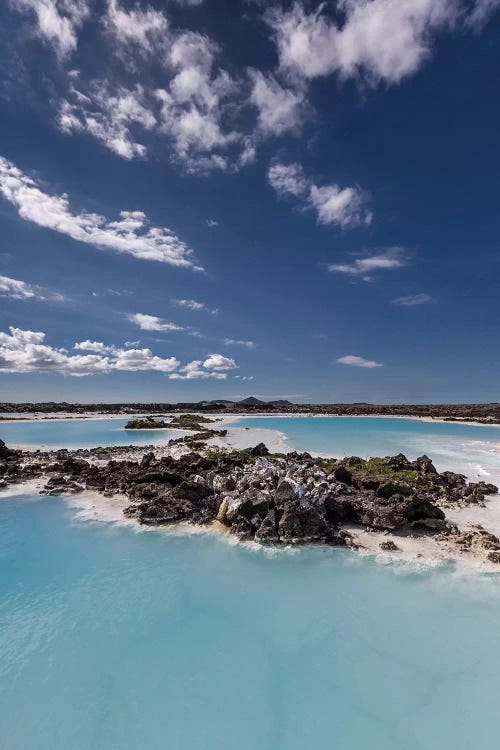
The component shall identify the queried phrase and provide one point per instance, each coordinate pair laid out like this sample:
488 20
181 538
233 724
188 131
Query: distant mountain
253 401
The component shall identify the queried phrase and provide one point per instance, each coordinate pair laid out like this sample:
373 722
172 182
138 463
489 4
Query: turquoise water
116 638
113 639
474 449
80 433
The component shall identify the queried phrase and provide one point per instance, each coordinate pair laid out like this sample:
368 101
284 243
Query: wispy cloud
412 300
240 342
365 266
355 361
281 109
56 22
193 304
129 234
17 289
333 204
212 223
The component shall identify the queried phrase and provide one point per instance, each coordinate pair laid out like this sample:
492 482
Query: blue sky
213 198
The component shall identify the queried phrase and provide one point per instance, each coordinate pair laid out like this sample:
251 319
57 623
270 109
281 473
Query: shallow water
472 449
80 433
112 638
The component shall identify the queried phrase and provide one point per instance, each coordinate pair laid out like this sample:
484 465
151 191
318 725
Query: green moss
378 467
213 454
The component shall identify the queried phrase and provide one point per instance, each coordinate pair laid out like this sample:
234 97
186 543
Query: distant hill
253 401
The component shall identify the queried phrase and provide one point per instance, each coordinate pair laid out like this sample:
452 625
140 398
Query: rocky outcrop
147 423
277 499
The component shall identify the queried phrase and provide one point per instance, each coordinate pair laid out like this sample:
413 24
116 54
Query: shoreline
227 418
102 481
416 553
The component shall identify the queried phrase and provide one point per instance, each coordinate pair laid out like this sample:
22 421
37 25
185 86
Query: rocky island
272 499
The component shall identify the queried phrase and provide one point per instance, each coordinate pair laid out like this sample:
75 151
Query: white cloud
187 104
212 223
129 234
26 351
481 13
109 114
336 205
215 366
279 109
219 362
152 323
389 260
17 289
333 204
143 28
382 40
194 371
288 179
193 304
143 359
354 361
57 22
412 300
240 342
94 346
192 106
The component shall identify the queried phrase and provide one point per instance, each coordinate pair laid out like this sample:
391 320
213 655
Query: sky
206 199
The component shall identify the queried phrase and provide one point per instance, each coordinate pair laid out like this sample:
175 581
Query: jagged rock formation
272 499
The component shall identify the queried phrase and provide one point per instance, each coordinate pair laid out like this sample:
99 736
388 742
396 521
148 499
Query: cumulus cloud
129 234
389 260
412 300
240 342
219 362
193 304
95 346
215 366
56 22
332 203
381 40
152 323
354 361
26 351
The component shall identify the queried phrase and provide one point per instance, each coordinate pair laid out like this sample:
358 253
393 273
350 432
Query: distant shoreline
227 418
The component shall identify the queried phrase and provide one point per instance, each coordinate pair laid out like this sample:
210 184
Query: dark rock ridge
481 413
273 499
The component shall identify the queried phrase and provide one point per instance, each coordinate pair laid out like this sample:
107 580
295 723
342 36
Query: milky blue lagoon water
80 433
474 449
116 638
